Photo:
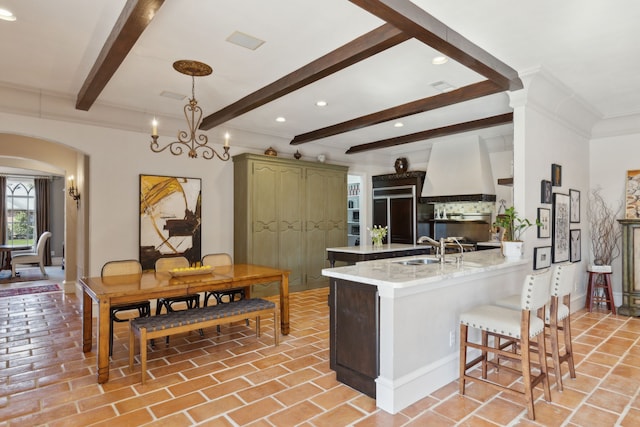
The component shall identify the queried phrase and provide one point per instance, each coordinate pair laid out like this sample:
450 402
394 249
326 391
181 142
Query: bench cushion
196 315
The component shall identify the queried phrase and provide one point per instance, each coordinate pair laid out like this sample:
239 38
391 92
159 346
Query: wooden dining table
108 291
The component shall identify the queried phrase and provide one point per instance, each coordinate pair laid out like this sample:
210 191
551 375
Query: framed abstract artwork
170 218
545 191
541 257
544 216
556 175
632 208
560 231
576 245
574 207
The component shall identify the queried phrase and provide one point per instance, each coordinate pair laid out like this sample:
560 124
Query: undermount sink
423 261
426 261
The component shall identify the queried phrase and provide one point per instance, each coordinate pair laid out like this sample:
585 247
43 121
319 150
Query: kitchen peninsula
394 322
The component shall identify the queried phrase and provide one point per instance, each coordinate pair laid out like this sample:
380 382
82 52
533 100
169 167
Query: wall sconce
73 192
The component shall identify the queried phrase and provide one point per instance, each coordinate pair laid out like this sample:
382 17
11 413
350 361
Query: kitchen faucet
455 240
441 245
431 242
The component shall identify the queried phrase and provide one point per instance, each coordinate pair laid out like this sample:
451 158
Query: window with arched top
20 206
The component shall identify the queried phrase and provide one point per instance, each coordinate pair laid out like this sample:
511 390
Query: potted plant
511 227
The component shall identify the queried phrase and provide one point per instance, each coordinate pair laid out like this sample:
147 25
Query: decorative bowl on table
190 271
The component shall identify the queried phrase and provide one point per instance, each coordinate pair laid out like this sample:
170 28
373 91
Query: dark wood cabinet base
354 334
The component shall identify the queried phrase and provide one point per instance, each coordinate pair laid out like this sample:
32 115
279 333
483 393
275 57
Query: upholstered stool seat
499 320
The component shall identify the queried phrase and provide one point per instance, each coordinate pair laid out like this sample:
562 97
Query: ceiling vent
245 40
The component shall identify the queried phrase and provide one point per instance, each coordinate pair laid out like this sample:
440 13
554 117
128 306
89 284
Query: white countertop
493 243
370 249
391 273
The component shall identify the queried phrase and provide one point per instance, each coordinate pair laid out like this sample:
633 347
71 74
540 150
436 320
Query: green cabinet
286 213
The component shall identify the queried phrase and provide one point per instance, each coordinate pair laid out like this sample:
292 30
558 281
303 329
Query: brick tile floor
234 379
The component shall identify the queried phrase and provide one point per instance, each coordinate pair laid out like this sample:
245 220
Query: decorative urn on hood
401 165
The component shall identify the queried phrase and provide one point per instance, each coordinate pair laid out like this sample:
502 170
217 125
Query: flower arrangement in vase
378 233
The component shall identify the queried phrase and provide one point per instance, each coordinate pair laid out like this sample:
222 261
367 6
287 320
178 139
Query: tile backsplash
466 207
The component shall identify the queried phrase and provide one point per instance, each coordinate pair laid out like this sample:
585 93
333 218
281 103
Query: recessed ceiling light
6 15
245 40
280 119
321 103
439 60
442 86
398 124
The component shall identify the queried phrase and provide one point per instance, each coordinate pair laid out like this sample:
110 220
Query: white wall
611 158
549 131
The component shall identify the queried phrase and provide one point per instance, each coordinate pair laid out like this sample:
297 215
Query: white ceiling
589 45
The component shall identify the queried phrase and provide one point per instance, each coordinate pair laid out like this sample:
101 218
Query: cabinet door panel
401 224
316 226
290 213
264 240
380 217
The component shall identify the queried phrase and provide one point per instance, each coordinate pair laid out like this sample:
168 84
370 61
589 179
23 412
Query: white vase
512 250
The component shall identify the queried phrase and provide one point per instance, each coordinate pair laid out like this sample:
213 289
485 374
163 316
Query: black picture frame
576 245
560 231
574 206
545 191
544 217
556 175
541 257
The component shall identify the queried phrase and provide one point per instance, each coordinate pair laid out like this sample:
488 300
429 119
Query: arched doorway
52 158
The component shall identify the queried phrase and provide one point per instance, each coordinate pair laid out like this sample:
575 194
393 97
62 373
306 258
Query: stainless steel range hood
459 171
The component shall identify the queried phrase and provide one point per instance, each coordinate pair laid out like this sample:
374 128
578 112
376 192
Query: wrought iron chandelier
193 113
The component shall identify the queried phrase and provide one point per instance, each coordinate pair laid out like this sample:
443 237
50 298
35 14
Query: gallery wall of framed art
559 222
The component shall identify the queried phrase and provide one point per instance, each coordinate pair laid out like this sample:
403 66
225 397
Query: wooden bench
148 328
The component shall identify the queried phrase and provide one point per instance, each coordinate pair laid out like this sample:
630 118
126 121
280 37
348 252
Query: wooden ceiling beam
434 133
466 93
417 23
363 47
134 18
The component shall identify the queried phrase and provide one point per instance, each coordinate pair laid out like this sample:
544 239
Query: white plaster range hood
459 171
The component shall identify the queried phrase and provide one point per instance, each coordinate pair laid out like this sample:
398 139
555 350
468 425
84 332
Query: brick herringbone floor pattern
234 379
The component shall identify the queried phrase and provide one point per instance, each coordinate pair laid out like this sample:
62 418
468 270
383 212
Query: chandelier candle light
193 114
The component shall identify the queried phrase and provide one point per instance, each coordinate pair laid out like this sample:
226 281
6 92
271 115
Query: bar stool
557 317
522 328
599 288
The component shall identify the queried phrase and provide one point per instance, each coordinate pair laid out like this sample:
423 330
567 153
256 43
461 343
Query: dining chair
166 264
119 268
518 327
31 257
219 260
